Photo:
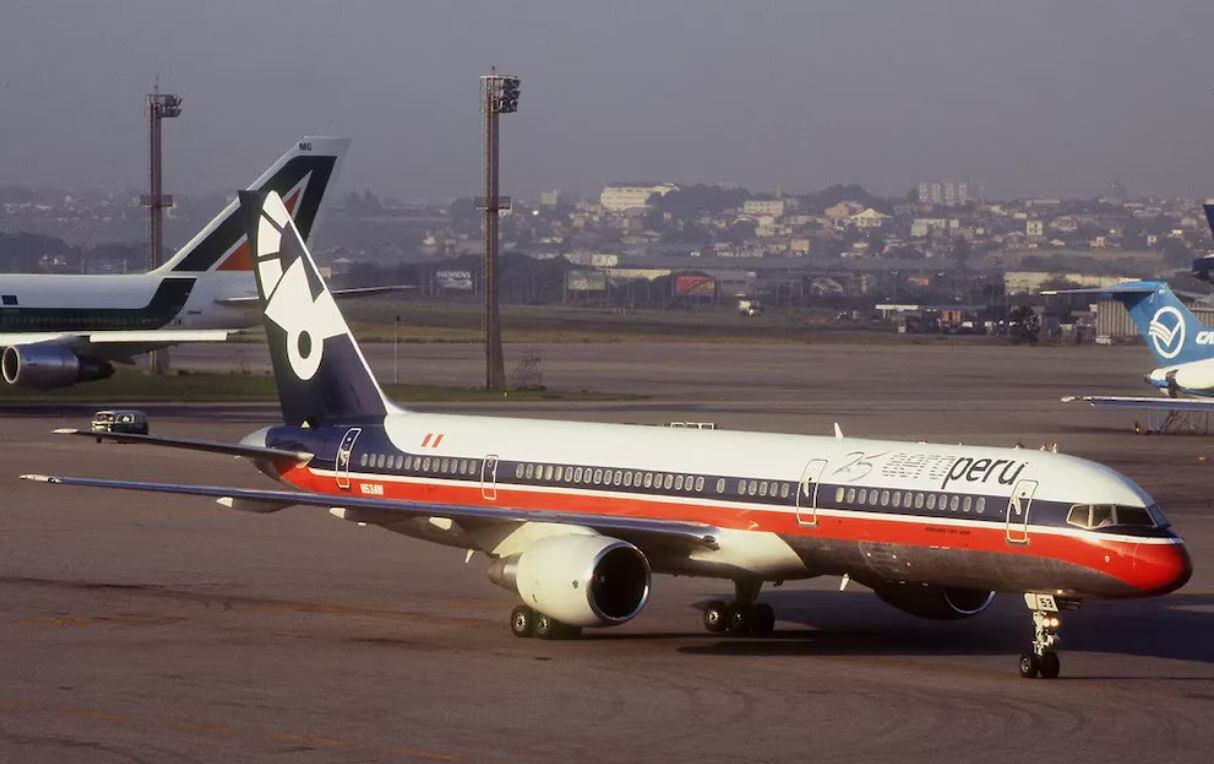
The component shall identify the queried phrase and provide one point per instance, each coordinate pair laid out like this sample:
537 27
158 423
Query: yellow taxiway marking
88 713
189 726
325 742
424 754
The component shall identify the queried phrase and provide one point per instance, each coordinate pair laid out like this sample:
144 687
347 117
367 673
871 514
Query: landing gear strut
525 622
1043 660
742 616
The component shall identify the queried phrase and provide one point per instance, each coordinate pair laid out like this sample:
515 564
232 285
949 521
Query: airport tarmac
139 628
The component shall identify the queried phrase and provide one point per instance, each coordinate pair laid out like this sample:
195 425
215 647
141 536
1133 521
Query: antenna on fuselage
838 431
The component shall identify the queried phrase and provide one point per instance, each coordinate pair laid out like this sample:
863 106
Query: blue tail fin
1172 333
320 371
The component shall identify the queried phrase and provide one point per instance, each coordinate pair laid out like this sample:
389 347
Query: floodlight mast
499 95
161 106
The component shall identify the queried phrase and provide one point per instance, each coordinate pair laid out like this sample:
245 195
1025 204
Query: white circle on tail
1167 331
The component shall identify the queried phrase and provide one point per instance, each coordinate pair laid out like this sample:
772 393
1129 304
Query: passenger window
636 479
968 504
362 460
954 502
851 495
720 485
426 464
839 493
618 479
400 462
446 466
577 475
598 476
628 480
897 499
588 476
918 501
752 487
783 490
678 483
699 484
885 498
667 481
980 504
379 461
530 471
649 480
931 501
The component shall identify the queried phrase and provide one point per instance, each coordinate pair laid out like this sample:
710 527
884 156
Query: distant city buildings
619 198
947 193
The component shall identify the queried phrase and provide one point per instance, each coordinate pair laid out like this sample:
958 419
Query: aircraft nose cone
1163 568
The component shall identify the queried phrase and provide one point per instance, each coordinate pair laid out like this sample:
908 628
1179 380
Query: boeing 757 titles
576 517
57 330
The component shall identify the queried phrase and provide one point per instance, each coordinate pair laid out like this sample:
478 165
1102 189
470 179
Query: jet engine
1198 375
44 365
943 603
580 580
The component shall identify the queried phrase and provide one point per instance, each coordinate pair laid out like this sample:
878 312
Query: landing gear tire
547 627
762 620
716 616
522 622
1030 665
740 620
1050 666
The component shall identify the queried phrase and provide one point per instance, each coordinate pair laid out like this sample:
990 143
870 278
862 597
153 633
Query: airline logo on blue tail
305 311
1167 332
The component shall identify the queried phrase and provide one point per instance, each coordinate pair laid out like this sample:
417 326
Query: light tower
499 95
160 106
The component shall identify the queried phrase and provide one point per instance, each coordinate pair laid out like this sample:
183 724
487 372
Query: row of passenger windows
433 464
607 477
874 497
667 481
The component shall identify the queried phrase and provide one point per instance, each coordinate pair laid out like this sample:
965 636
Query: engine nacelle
943 603
1197 375
44 365
581 580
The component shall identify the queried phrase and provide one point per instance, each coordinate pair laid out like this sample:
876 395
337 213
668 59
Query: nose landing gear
1043 661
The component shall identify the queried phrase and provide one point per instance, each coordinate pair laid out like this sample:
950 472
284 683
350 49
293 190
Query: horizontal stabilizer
694 534
1144 402
1128 287
338 293
191 444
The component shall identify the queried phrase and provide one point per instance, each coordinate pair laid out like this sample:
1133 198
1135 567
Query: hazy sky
1028 97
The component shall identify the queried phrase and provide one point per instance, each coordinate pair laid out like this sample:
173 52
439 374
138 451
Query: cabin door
344 451
807 493
1018 507
489 477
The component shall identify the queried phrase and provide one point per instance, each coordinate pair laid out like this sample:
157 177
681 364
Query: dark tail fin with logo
320 371
300 176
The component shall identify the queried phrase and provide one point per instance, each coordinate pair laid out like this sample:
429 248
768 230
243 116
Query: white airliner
1182 346
57 330
575 517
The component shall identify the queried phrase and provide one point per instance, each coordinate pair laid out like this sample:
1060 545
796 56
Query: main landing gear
743 616
525 622
1043 660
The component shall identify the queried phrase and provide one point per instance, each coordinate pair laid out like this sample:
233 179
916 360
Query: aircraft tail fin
321 373
301 177
1172 333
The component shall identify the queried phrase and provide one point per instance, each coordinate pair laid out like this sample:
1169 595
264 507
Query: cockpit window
1097 516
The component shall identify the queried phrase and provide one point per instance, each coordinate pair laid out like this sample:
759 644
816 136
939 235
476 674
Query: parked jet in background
575 517
57 330
1182 346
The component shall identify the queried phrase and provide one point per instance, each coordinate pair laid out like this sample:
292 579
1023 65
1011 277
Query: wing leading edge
1144 403
695 534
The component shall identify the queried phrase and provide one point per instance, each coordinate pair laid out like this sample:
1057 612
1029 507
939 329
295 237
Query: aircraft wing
192 444
372 510
1144 402
118 344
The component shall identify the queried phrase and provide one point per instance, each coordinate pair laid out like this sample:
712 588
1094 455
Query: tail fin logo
304 310
1167 331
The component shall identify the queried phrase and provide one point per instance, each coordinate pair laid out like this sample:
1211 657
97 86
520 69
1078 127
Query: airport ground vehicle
576 517
125 421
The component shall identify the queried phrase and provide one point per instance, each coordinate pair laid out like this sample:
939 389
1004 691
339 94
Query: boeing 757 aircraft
576 517
57 330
